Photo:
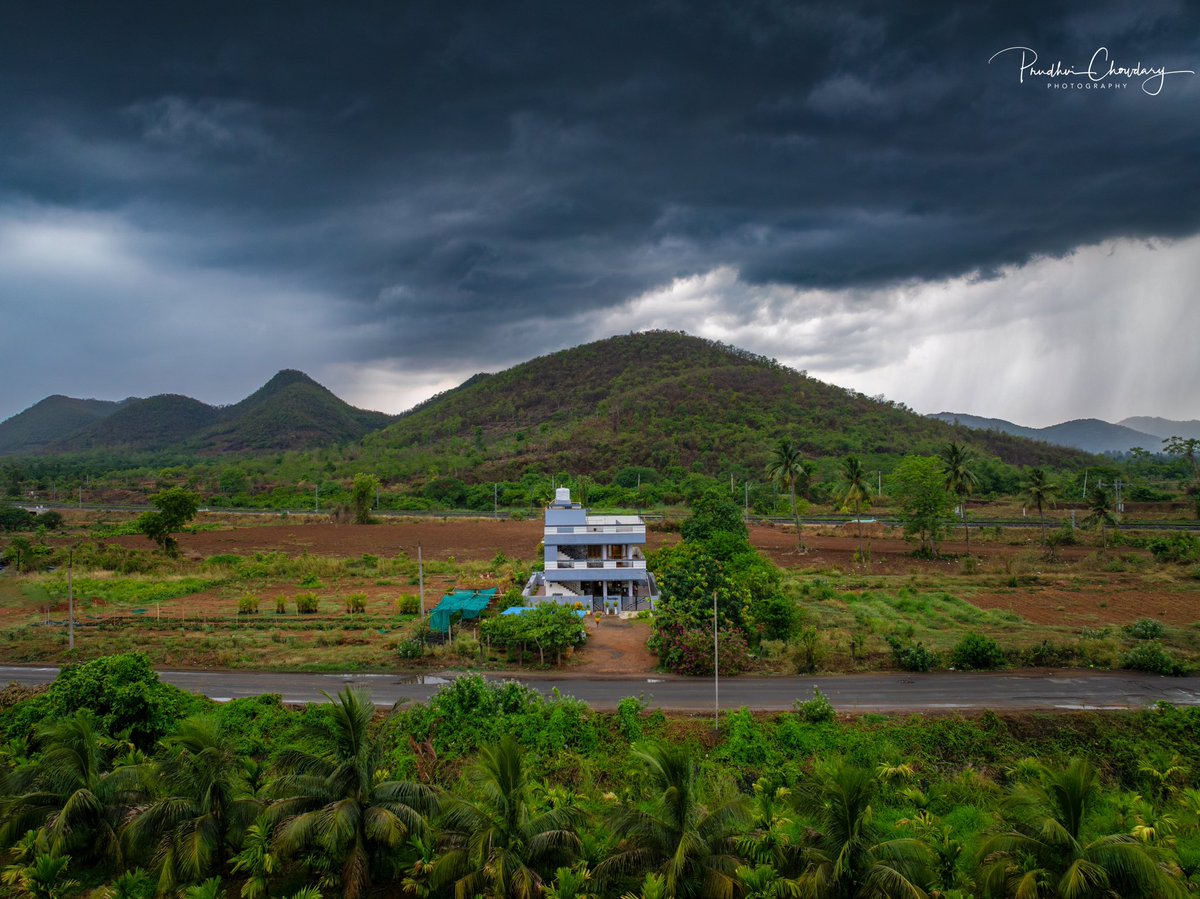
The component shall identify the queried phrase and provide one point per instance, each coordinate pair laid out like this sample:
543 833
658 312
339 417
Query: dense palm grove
117 785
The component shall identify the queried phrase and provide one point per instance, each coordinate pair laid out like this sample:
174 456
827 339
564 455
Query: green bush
1064 536
465 646
123 691
818 710
307 603
686 650
911 656
1153 658
356 603
280 605
510 599
248 605
1179 547
808 651
1049 654
629 717
408 604
975 652
409 649
773 617
1145 629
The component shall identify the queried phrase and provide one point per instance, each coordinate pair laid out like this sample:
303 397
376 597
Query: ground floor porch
609 597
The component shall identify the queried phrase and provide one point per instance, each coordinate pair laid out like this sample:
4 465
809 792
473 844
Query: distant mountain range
1089 434
658 399
291 411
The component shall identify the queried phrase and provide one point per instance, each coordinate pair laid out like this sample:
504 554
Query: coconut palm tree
200 809
338 802
500 845
764 882
690 845
1100 512
209 889
69 792
855 492
788 469
256 861
961 480
44 877
1040 492
769 842
1046 851
847 859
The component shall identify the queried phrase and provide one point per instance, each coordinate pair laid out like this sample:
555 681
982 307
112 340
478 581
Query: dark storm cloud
446 173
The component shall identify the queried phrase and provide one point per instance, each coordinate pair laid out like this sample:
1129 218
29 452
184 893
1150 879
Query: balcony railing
554 530
568 564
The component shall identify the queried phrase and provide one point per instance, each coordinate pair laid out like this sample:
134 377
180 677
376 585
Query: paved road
1029 690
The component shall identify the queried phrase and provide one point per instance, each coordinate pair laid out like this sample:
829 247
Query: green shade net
470 603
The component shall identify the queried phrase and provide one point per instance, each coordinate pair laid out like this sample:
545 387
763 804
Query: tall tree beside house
855 492
961 480
789 470
1039 492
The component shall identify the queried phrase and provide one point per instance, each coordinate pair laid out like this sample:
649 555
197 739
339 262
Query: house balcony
600 564
593 534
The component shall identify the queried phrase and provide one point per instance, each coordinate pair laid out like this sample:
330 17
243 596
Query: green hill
157 423
291 411
663 399
54 418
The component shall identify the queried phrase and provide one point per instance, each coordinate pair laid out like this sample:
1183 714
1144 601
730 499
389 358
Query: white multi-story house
593 560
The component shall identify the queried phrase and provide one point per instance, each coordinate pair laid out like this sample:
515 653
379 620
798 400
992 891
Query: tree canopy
175 508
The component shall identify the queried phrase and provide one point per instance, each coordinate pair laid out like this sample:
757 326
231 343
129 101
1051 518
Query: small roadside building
594 561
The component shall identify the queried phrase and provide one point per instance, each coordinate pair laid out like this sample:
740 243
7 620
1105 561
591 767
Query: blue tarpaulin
521 610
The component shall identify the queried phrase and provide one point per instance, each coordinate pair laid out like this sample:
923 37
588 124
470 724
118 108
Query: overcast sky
394 196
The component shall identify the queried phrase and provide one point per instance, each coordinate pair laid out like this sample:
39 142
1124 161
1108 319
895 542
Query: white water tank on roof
562 496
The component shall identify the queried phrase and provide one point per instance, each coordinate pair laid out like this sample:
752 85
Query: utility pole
1083 495
316 498
716 669
71 598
